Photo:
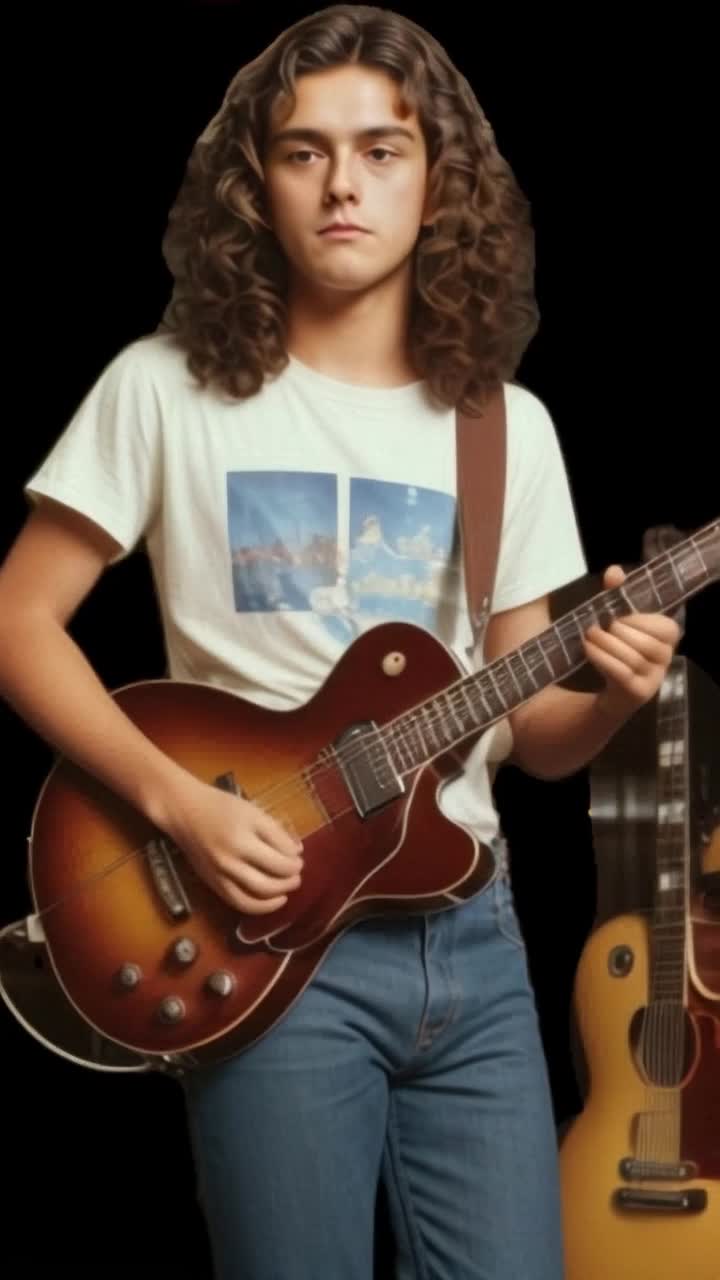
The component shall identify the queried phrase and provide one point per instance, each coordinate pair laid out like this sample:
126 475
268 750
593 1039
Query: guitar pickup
367 768
653 1171
160 857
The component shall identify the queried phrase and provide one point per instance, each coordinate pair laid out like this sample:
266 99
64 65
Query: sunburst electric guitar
167 974
641 1163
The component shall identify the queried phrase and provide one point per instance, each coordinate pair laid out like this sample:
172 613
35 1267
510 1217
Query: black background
606 128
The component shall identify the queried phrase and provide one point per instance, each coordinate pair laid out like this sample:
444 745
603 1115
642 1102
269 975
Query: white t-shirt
280 527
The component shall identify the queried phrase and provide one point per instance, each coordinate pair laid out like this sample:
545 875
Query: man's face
349 152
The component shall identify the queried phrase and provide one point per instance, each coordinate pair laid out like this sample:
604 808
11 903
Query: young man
352 260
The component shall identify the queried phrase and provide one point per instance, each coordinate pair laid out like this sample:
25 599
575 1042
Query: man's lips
340 228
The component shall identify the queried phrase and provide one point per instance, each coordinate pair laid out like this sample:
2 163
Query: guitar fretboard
477 701
669 924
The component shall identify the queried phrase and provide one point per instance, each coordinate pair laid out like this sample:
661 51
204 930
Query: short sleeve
541 549
106 465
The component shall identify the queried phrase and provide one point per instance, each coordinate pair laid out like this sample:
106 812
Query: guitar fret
544 656
678 579
643 595
436 719
670 690
671 754
455 713
411 739
579 625
450 730
694 551
528 669
668 962
671 812
394 745
699 554
399 740
612 606
486 705
580 619
559 634
430 729
497 690
522 672
441 720
455 709
468 703
492 692
509 667
651 580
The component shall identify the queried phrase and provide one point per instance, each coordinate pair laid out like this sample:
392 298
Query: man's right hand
241 852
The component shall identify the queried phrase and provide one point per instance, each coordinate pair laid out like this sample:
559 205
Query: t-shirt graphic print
394 559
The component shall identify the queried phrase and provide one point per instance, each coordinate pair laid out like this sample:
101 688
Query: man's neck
362 341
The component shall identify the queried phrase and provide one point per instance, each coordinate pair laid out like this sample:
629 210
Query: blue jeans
415 1056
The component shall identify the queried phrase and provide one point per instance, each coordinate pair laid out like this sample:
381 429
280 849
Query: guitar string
394 732
663 1047
296 784
567 628
398 732
653 1120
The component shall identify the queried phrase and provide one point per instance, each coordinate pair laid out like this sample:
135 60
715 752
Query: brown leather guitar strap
481 468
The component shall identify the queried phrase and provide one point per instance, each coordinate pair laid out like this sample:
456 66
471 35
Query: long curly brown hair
473 309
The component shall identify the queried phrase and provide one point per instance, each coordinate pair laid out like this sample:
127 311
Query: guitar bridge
680 1202
167 882
160 857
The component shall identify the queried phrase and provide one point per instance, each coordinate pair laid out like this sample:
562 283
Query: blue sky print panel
400 543
283 537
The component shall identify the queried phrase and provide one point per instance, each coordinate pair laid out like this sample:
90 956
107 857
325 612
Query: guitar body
603 1239
137 959
160 967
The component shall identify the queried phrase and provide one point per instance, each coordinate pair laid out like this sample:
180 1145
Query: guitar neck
477 701
669 922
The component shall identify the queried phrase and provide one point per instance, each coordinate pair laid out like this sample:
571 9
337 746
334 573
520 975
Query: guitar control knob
221 983
129 975
184 950
171 1009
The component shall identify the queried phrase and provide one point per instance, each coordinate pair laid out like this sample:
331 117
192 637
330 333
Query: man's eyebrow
319 136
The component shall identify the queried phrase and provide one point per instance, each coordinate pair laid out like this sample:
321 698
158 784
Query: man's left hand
633 654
